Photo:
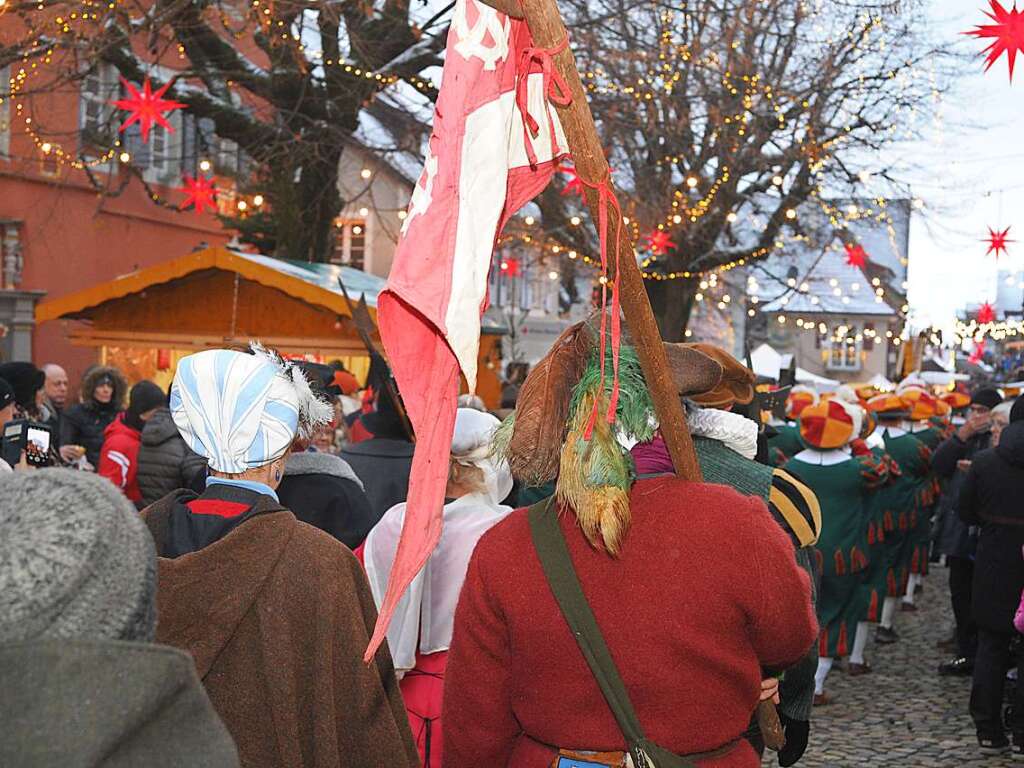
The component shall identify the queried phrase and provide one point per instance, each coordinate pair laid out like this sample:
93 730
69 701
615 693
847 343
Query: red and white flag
495 145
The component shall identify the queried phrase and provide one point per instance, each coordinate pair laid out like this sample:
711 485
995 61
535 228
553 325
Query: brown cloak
277 615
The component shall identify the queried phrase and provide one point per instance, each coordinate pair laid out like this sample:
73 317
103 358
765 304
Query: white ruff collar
737 432
823 458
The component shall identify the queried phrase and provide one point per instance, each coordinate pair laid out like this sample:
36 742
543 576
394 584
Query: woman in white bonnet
421 629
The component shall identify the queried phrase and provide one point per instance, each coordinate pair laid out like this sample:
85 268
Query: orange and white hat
830 424
923 405
800 397
889 404
957 401
866 391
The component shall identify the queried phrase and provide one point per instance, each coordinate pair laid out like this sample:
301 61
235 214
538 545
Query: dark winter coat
106 704
84 423
322 489
277 616
383 465
991 497
165 462
954 538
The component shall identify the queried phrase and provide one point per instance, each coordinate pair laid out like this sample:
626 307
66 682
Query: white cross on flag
495 145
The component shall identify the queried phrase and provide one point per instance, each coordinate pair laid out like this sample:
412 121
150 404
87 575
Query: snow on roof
832 286
816 263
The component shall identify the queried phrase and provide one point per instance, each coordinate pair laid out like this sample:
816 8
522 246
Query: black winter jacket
166 463
383 465
321 489
991 497
955 539
84 423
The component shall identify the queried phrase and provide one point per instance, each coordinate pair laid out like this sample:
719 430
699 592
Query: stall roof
311 283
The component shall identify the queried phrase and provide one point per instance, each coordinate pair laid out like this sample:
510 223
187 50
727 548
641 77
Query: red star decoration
987 313
997 241
1007 34
146 107
510 267
856 256
978 353
659 242
199 193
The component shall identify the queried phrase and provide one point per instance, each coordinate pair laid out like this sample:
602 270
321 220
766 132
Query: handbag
568 592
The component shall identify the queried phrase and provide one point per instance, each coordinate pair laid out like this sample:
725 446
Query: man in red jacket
694 587
119 457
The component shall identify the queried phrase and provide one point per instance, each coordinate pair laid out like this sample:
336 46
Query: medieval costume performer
276 613
421 632
641 552
785 443
895 504
843 484
924 407
726 443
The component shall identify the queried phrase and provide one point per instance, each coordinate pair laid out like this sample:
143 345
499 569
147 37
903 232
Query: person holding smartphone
955 539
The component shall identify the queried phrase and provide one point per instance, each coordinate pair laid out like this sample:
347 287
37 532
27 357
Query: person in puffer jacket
166 463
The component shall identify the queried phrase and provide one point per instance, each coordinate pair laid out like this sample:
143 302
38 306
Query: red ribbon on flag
555 88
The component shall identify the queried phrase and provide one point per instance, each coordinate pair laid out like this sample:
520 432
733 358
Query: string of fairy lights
692 200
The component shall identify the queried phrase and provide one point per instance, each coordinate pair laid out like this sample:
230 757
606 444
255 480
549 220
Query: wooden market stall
146 320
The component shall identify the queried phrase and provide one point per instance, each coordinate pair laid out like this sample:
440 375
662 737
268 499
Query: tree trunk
672 302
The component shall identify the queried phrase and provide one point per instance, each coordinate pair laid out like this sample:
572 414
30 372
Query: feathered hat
923 405
243 410
555 433
830 424
800 397
889 407
957 401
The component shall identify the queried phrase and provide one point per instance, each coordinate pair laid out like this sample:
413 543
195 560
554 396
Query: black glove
797 733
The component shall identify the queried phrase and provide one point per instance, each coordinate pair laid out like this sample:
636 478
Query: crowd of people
907 479
193 577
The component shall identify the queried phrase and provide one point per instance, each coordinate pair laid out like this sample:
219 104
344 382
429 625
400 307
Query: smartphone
30 437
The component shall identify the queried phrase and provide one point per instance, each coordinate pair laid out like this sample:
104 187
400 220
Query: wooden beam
548 30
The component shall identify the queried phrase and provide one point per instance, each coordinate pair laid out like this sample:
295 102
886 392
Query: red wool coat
705 593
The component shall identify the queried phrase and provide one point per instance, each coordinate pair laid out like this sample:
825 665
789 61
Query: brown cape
277 615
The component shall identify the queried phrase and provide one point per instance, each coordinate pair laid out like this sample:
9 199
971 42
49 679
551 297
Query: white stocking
824 667
912 583
889 611
860 642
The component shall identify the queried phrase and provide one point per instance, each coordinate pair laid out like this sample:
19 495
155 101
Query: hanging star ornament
659 242
146 107
856 256
986 314
199 193
997 241
1007 35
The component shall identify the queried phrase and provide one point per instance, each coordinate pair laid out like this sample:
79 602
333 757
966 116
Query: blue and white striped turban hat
241 410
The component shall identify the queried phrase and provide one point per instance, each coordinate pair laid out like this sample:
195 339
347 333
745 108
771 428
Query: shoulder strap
565 585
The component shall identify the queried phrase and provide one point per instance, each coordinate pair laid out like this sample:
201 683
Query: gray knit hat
76 560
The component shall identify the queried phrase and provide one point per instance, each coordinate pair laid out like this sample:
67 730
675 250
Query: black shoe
1018 748
993 745
886 636
959 667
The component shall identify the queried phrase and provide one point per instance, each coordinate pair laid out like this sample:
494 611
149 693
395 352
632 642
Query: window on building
350 245
5 110
96 114
844 353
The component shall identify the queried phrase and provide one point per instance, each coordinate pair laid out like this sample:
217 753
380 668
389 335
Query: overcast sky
972 178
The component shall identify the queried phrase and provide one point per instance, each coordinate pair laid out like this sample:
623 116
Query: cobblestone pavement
903 714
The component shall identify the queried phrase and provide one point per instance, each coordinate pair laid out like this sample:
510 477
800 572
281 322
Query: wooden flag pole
549 32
